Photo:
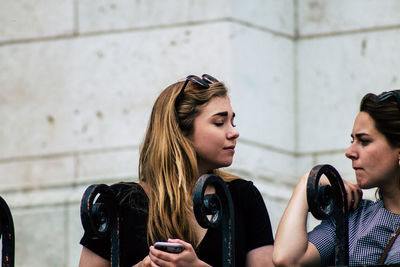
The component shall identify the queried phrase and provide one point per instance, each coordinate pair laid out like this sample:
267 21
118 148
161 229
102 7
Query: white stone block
340 163
75 233
321 17
98 16
40 238
98 91
36 173
24 19
39 197
275 210
304 163
334 74
273 15
112 164
262 87
260 163
95 16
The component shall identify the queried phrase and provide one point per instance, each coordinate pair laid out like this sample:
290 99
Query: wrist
203 264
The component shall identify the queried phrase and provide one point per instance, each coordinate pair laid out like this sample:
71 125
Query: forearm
291 240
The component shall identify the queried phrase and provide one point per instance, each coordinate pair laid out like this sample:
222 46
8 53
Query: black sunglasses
204 81
386 95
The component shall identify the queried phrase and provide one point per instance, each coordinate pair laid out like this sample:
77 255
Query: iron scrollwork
327 201
100 218
7 235
220 207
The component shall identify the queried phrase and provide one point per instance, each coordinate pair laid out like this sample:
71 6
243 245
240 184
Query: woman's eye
365 142
218 123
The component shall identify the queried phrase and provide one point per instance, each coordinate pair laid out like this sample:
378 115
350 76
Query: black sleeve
258 225
100 246
133 212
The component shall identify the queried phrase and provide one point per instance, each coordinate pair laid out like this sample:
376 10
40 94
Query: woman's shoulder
367 205
243 189
123 187
130 193
366 211
240 183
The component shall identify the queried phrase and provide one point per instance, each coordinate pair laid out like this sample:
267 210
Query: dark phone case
169 247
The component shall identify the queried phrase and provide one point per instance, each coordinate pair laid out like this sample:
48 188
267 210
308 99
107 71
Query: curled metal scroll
220 207
327 201
7 235
101 218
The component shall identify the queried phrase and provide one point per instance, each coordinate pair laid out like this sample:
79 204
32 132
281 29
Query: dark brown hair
385 113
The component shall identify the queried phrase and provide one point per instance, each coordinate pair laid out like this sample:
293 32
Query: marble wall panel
262 75
24 19
35 173
257 162
271 15
120 164
40 236
326 17
98 16
75 233
334 73
97 92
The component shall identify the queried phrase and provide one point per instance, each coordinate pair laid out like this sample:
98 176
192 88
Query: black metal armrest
7 235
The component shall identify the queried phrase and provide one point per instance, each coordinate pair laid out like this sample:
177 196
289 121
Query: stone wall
78 79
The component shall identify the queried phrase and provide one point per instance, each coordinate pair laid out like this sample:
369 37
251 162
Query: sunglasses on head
204 81
386 95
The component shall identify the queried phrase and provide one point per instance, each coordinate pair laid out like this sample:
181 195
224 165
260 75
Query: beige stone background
78 79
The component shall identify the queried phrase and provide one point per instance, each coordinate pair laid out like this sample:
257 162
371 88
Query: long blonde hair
168 162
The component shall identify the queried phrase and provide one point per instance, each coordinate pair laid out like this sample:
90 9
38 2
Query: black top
252 226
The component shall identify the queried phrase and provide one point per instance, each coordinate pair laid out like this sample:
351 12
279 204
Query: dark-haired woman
375 156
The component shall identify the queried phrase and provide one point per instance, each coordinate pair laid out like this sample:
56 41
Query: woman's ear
398 155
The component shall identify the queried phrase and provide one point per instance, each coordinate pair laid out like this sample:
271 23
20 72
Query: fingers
158 254
350 197
161 258
185 258
146 262
185 244
354 195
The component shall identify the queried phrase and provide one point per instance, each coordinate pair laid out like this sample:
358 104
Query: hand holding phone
169 247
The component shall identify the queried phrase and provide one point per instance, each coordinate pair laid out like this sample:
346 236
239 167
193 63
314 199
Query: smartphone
169 247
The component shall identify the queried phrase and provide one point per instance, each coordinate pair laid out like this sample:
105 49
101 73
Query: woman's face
375 162
214 136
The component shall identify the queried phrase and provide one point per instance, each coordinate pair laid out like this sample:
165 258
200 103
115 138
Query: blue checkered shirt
370 228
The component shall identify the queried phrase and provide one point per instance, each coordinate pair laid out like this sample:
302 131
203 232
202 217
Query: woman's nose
233 133
350 152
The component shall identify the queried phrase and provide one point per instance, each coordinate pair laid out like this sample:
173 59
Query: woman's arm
260 257
291 246
91 259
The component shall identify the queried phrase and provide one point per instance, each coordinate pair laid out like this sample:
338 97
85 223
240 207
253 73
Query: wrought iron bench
101 219
331 201
7 235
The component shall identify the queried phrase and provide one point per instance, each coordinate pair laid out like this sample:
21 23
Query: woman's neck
391 199
203 171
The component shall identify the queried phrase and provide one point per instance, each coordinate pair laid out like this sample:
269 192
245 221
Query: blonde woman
191 132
